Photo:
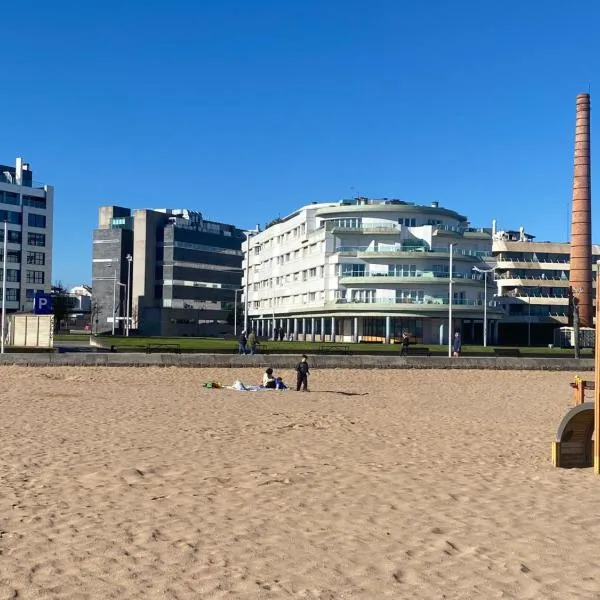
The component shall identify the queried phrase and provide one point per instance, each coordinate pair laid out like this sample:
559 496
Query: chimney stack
580 275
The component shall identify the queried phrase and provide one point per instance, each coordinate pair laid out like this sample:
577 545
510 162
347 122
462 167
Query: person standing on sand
302 371
456 345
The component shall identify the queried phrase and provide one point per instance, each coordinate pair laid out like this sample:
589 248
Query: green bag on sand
212 384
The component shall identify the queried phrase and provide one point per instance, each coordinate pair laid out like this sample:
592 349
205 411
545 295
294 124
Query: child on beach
302 371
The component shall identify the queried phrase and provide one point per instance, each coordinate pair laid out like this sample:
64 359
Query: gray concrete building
27 206
181 277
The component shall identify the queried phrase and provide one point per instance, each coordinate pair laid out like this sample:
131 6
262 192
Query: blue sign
42 304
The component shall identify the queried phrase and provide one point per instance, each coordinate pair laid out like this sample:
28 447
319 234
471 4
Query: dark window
29 293
14 218
12 256
12 295
34 220
36 239
9 198
34 277
34 202
36 258
13 275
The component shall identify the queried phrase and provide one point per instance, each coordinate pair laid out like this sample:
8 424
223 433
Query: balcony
415 277
395 252
7 177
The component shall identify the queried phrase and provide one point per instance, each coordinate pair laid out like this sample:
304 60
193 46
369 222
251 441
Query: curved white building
367 270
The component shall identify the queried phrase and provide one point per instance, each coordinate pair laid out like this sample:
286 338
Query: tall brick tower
580 276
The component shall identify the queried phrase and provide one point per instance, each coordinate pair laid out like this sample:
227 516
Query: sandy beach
140 483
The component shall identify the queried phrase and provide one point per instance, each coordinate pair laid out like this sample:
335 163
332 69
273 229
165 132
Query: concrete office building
533 280
367 270
27 206
183 271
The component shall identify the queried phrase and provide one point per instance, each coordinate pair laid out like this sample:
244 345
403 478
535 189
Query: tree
61 303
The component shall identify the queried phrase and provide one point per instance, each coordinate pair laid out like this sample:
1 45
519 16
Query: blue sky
246 110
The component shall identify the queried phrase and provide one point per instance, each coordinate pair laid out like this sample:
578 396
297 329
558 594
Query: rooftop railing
422 274
8 177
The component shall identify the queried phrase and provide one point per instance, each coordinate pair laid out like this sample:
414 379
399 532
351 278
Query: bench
418 351
333 349
515 352
150 348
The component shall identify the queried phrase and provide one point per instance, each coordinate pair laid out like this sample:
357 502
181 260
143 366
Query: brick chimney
580 275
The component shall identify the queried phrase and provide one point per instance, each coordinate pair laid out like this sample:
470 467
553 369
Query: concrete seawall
287 361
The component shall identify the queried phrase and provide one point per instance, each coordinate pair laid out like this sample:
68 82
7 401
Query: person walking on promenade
456 345
405 344
302 371
252 342
242 349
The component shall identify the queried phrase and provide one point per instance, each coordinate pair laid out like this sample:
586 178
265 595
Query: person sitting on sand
279 385
268 379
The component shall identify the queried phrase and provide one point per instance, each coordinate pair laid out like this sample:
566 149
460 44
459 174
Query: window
14 237
312 273
34 202
353 270
12 295
34 277
9 198
29 294
36 258
12 256
34 220
348 223
12 275
402 270
408 221
13 218
36 239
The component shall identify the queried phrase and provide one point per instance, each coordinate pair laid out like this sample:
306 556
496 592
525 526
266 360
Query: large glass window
36 239
34 202
36 258
13 275
9 198
34 220
402 270
12 256
12 295
34 277
14 218
14 237
352 270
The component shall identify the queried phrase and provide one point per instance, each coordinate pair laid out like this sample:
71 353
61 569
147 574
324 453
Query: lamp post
4 259
115 284
450 303
235 295
249 234
528 319
485 274
127 323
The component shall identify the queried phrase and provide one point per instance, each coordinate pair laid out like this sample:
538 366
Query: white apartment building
367 270
533 280
27 207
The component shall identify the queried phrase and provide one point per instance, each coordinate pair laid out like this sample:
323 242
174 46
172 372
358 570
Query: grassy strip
220 345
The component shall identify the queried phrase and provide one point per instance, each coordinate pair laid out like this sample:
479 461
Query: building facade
533 284
178 271
27 207
368 270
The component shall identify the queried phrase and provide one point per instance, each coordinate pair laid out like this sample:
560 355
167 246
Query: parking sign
42 304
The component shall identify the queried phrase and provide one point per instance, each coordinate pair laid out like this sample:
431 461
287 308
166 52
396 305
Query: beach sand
139 483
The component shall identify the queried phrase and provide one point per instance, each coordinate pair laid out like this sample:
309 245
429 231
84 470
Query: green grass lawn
229 346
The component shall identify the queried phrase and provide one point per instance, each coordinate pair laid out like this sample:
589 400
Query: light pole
127 324
235 295
450 304
4 260
249 234
115 284
528 319
485 274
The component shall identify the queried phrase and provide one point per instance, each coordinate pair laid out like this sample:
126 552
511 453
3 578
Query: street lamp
450 303
485 274
235 294
248 234
127 323
115 284
4 261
